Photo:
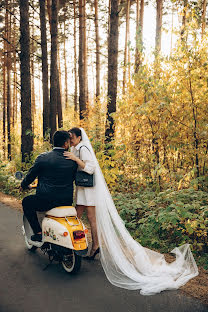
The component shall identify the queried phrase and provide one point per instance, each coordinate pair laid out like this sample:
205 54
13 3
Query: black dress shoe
93 256
36 238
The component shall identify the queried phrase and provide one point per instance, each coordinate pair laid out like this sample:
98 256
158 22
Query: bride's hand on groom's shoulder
70 155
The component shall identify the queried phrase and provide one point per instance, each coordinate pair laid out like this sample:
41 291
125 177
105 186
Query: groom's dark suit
55 184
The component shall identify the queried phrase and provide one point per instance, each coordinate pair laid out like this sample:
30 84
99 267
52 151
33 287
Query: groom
55 182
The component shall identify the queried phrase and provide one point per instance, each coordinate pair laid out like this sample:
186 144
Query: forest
133 74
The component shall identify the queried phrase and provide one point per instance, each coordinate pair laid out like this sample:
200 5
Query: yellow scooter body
59 230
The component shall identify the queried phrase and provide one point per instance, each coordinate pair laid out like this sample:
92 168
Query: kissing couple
56 172
127 264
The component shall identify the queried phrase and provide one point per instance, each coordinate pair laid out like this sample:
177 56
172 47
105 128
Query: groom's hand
23 190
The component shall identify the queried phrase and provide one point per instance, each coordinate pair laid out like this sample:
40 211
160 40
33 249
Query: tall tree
26 120
85 49
171 35
126 43
112 67
5 85
65 67
8 114
204 6
14 113
49 12
46 107
59 101
52 15
139 34
59 91
75 57
158 26
184 18
82 84
32 73
53 77
97 40
8 80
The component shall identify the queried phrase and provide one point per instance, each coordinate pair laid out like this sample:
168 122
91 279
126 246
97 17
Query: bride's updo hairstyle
76 131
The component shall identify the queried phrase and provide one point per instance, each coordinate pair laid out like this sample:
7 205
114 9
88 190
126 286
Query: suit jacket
55 176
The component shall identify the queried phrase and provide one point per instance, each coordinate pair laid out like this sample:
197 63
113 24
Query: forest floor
197 287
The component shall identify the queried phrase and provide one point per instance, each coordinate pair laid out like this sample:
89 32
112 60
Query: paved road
25 287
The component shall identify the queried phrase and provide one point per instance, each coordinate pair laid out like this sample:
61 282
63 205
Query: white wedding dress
126 263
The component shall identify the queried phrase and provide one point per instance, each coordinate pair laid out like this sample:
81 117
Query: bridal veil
126 263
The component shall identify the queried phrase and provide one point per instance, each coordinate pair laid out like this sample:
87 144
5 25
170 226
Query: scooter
64 236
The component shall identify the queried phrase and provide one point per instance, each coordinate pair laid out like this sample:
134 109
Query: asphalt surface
25 287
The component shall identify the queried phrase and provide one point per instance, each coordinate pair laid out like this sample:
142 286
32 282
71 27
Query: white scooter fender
56 233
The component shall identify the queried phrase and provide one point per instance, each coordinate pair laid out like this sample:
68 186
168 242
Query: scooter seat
62 211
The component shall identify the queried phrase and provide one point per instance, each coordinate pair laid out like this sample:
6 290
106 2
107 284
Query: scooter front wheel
72 263
27 232
30 247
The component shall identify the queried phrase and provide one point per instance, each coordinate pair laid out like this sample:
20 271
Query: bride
126 263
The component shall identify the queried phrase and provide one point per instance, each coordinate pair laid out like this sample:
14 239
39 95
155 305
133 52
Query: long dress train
127 264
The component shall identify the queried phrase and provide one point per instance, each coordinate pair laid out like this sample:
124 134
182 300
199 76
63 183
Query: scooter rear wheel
72 263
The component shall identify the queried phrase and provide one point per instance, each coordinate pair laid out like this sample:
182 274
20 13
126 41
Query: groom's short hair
60 137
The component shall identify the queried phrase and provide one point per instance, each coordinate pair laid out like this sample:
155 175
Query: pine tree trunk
82 85
184 20
9 103
26 120
171 38
139 34
126 44
49 12
97 40
8 111
59 91
59 102
75 58
5 69
53 78
46 107
109 13
14 114
85 50
15 70
6 86
204 6
158 26
4 98
32 76
65 68
112 68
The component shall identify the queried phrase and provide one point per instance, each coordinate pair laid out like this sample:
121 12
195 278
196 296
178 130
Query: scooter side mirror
19 175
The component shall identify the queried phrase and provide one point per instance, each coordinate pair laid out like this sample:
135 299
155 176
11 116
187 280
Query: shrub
167 219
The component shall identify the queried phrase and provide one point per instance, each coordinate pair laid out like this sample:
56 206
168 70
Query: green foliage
167 219
8 183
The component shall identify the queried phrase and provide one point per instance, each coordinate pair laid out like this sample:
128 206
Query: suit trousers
33 203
